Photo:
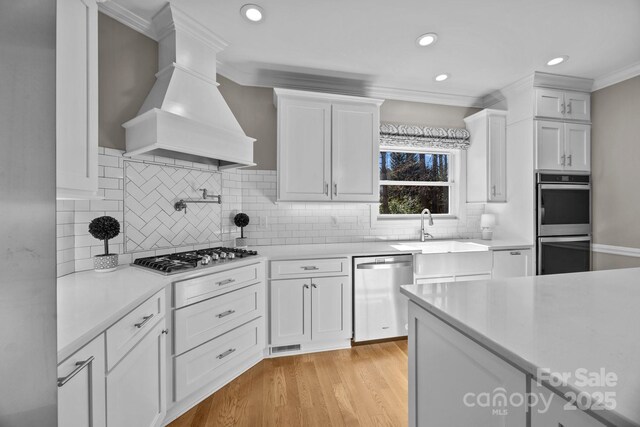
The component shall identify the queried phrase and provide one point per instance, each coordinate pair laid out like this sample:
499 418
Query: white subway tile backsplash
161 180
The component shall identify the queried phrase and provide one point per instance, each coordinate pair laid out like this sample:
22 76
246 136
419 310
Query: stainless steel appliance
380 311
563 223
192 260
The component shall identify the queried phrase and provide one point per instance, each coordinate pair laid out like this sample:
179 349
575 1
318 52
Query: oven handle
565 186
564 239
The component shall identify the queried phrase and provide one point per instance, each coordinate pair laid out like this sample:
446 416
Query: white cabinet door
330 308
448 372
497 158
77 98
355 150
558 412
512 263
136 386
577 141
577 105
304 150
550 145
290 311
81 385
549 103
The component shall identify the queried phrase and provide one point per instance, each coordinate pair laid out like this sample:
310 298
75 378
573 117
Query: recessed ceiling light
427 39
252 12
558 60
441 77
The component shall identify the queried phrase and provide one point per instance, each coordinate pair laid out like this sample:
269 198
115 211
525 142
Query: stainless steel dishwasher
380 311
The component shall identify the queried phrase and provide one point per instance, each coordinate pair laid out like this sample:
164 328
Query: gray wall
615 154
28 354
127 62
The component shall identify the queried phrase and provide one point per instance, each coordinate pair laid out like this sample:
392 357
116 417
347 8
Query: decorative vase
105 263
241 242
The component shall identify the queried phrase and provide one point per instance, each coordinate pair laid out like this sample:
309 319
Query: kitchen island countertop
559 323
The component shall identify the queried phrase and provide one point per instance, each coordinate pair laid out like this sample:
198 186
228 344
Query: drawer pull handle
225 314
516 253
309 267
145 320
225 282
79 367
226 353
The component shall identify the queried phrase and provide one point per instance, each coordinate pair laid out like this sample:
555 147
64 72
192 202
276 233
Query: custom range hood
184 116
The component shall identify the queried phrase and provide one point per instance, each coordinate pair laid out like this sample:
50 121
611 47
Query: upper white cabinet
77 99
328 147
563 146
564 105
486 157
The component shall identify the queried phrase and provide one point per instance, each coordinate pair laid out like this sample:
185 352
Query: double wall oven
563 223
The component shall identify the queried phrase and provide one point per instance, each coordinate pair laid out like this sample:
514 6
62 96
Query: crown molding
558 81
340 86
618 76
128 18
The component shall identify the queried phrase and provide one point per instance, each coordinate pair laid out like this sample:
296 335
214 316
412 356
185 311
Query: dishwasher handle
383 265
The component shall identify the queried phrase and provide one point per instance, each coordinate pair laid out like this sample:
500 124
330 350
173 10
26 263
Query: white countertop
90 302
561 322
276 252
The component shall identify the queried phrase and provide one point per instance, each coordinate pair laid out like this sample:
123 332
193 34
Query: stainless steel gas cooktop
181 262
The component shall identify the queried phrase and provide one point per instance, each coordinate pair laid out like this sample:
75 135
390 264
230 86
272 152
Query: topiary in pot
105 228
241 220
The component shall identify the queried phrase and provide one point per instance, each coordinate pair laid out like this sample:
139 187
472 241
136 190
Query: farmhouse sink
441 246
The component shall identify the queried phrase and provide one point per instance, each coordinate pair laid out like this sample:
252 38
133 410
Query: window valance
394 135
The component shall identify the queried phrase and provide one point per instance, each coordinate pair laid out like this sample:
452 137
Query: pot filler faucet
424 234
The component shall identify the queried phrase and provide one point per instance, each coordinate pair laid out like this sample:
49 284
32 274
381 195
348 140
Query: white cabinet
305 310
563 146
564 105
559 413
330 309
448 372
290 311
136 386
512 263
453 266
486 157
328 147
81 387
77 99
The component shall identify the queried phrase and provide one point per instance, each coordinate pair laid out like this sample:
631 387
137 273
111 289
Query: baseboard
315 348
616 250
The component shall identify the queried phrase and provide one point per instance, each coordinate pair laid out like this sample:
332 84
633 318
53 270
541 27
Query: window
412 180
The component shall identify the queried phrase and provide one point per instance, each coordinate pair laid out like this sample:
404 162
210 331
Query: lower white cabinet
312 309
136 386
81 387
450 267
512 263
560 413
447 374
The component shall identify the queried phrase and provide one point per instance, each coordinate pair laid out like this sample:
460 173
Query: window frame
457 192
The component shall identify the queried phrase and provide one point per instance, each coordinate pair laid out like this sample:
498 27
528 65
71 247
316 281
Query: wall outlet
263 222
334 221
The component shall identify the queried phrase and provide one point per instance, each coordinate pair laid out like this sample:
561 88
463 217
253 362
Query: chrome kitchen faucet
423 234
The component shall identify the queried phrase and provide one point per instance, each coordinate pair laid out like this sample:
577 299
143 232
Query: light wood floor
362 386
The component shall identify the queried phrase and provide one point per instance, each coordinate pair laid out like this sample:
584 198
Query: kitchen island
569 344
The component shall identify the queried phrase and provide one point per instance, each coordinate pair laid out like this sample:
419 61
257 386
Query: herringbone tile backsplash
150 220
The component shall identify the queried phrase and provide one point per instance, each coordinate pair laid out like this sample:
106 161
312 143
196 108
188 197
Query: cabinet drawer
204 364
452 264
129 330
201 288
198 323
309 268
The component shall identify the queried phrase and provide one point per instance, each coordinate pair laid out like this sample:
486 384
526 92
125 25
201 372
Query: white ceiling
484 44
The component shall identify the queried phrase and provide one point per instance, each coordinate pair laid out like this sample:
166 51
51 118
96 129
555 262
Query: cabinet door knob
335 188
570 160
564 157
314 285
326 188
569 108
516 253
562 108
165 331
79 367
306 286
